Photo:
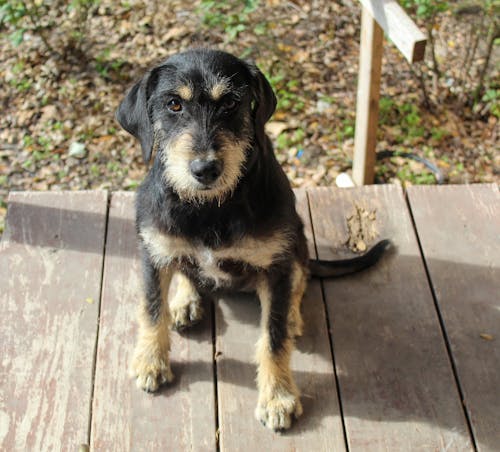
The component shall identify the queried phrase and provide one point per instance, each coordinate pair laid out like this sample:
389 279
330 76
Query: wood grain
237 324
182 415
367 100
459 230
50 274
398 26
396 384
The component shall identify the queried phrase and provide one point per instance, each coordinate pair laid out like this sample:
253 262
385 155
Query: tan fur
178 154
185 305
299 283
279 396
219 89
150 363
258 253
185 92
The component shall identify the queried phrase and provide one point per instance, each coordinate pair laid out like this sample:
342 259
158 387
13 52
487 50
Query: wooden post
370 63
378 16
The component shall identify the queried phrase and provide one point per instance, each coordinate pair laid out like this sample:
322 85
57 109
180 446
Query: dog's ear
132 114
264 102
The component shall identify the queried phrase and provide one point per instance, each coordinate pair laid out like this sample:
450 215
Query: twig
420 78
494 33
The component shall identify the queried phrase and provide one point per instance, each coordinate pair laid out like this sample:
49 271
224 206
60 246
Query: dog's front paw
151 372
276 413
185 315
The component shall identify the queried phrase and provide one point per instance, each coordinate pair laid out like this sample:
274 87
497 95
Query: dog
217 210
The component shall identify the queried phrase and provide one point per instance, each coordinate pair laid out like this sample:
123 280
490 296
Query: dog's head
203 112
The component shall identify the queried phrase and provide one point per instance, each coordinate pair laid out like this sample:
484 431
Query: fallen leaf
361 245
77 150
274 128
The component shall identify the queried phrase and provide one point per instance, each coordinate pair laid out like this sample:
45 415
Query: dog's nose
205 171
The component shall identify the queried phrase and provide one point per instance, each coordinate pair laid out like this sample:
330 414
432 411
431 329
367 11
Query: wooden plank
50 274
396 383
459 230
237 324
398 26
367 102
180 416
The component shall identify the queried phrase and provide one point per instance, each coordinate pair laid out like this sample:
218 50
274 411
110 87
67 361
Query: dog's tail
332 269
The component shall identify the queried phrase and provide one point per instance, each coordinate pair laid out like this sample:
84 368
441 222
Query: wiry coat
231 230
217 211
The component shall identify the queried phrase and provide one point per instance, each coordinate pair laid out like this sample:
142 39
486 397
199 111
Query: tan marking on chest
258 253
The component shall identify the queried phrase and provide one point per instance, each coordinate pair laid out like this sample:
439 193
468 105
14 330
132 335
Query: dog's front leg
279 397
150 363
185 306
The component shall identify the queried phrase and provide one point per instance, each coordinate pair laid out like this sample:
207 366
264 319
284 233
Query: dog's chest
215 264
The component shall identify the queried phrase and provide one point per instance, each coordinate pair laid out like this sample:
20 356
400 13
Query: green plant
42 17
405 116
106 67
21 84
438 134
346 130
287 92
28 141
480 25
230 16
113 167
286 140
492 100
386 107
426 9
12 13
94 170
406 174
411 120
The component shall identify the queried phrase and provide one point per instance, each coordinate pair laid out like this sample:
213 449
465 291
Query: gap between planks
442 325
101 287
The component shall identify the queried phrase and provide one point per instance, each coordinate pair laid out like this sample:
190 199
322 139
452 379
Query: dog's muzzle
206 172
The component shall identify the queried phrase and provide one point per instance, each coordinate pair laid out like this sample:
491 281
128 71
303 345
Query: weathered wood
50 275
396 384
367 102
398 26
182 415
237 324
459 230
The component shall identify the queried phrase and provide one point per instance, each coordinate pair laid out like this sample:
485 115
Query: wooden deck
402 357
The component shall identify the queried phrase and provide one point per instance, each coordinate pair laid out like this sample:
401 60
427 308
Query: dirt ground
57 128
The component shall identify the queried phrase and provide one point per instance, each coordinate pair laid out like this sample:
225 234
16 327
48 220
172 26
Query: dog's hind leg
299 283
279 397
185 305
151 363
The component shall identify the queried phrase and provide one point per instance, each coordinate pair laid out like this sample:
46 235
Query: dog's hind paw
186 315
277 412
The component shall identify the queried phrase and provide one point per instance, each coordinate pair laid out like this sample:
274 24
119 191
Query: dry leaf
274 128
361 245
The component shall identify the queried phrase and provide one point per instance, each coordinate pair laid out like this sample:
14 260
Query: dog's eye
174 105
228 104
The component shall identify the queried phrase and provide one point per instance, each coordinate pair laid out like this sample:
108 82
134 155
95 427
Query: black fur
261 202
151 278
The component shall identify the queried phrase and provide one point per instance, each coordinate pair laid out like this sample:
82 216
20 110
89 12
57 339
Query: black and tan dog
217 210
